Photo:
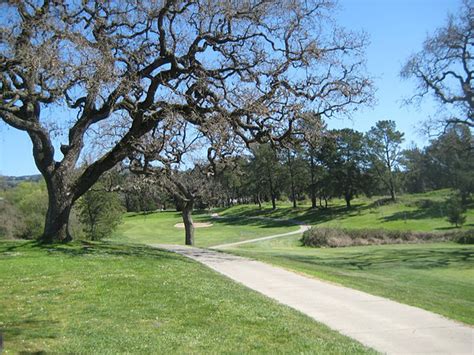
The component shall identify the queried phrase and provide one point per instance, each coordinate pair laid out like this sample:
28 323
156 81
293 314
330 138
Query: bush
466 238
334 238
425 203
100 212
12 224
26 205
455 211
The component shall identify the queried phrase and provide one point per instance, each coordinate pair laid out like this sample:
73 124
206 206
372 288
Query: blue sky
397 28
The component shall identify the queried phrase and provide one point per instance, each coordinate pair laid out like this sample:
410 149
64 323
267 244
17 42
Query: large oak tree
444 67
72 69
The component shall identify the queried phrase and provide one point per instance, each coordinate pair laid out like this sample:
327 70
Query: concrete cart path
379 323
303 228
300 230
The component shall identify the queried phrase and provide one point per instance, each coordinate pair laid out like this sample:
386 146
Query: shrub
26 204
12 224
100 212
455 211
383 202
334 237
466 238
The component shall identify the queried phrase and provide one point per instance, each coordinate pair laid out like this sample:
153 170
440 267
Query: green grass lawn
437 277
159 227
421 212
108 298
117 298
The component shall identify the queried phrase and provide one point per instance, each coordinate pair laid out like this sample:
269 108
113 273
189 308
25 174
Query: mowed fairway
436 277
419 212
159 227
108 298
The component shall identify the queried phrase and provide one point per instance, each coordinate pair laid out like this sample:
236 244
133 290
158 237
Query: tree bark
348 198
60 203
392 190
259 201
292 179
271 188
313 184
391 183
274 206
188 222
293 194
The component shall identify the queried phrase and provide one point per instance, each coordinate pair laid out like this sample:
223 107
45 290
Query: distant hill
11 181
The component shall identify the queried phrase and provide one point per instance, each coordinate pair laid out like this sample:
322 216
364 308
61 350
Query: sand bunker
196 225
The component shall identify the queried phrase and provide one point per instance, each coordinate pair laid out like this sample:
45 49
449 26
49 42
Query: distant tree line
338 163
346 163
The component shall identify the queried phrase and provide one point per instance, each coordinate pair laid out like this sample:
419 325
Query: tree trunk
390 175
259 201
57 217
271 188
127 203
274 206
313 184
313 201
348 198
392 191
188 222
292 179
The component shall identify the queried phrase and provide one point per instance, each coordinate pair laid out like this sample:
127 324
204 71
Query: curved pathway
303 228
384 325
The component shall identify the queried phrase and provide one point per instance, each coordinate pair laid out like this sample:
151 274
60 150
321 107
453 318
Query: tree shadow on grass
9 247
316 216
416 258
426 209
248 221
301 214
454 228
30 329
85 248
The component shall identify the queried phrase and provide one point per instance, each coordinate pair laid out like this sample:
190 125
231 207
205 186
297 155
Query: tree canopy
445 68
110 72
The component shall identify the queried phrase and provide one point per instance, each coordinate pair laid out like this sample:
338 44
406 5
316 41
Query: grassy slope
106 298
436 277
159 228
409 213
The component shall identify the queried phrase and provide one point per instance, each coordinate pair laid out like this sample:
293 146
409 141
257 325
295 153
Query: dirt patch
196 225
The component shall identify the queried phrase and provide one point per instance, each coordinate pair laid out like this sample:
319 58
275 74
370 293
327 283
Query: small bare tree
187 187
161 158
445 67
73 68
